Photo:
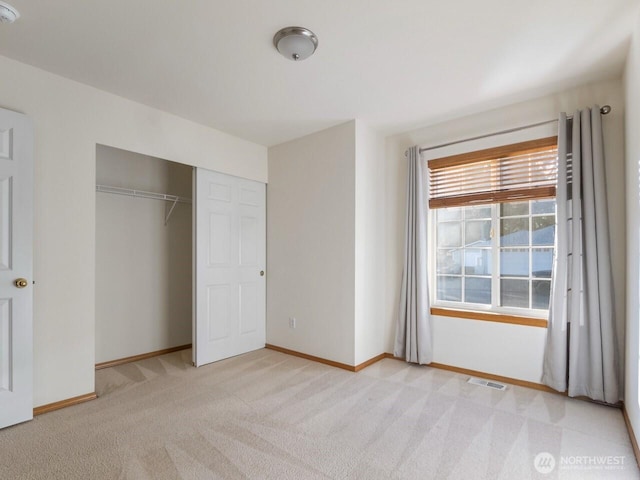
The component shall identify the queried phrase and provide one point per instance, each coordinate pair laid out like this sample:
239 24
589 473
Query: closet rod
604 110
142 194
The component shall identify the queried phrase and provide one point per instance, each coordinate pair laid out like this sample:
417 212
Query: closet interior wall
143 267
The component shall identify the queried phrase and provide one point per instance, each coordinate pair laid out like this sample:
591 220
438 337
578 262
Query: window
493 214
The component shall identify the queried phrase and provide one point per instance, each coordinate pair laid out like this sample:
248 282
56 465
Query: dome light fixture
8 13
295 43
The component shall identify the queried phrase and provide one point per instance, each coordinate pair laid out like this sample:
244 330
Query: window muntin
510 270
527 234
464 254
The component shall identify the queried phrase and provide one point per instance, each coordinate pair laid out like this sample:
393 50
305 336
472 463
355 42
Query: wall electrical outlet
292 322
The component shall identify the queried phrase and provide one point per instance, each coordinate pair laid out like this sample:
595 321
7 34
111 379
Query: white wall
311 244
325 244
369 245
143 267
70 119
631 82
513 351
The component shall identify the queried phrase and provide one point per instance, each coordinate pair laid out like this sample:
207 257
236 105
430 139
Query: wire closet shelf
175 199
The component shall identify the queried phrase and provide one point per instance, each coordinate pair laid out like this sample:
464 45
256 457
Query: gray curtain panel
581 354
413 330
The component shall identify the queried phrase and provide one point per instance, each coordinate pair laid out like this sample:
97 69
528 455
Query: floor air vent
487 383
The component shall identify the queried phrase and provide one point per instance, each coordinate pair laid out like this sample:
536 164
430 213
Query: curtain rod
604 110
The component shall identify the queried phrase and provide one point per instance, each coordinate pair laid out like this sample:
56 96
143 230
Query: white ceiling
396 65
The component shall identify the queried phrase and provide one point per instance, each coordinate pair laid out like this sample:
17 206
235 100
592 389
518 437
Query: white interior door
16 252
230 253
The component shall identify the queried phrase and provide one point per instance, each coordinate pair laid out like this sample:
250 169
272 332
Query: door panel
5 345
218 312
229 290
250 196
249 242
249 306
220 192
5 142
219 239
5 223
16 232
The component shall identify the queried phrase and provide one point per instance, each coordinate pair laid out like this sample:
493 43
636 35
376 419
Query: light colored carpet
270 415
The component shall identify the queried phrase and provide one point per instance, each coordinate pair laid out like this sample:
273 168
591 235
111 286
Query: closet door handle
262 273
21 282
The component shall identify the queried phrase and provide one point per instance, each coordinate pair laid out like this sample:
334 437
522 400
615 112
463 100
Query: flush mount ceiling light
8 14
295 43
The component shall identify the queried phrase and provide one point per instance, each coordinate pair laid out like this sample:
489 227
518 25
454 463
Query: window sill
489 317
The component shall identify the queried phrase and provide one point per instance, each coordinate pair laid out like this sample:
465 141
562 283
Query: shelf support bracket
166 219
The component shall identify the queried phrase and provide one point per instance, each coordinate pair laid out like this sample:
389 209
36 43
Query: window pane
477 290
543 206
477 212
542 259
451 213
514 231
514 293
449 234
477 233
449 288
465 244
514 262
449 261
477 261
514 208
543 230
541 290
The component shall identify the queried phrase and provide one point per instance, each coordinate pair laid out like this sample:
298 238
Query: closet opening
143 256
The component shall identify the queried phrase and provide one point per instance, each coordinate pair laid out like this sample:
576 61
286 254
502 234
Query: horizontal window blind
520 171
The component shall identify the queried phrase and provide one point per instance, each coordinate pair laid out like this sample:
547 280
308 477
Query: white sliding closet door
229 256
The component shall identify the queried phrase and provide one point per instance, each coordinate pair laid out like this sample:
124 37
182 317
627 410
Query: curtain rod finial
605 110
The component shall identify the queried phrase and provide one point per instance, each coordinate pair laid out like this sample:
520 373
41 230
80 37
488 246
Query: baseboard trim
143 356
331 363
371 361
64 403
488 376
498 378
440 366
632 435
313 358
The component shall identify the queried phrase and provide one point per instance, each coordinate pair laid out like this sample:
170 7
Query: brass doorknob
21 282
262 273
